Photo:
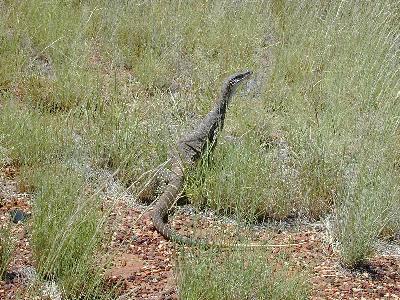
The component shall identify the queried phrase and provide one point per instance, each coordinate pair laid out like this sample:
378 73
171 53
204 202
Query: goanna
189 149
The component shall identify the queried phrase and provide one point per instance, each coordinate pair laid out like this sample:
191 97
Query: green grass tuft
237 275
6 249
67 232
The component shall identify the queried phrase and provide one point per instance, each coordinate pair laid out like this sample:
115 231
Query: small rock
9 276
18 215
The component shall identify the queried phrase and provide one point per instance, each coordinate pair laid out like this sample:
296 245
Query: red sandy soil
144 261
21 260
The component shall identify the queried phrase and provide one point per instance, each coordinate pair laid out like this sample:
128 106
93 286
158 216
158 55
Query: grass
111 85
130 141
32 139
6 249
67 231
232 275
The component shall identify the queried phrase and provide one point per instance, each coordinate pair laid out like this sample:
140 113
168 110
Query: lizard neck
222 104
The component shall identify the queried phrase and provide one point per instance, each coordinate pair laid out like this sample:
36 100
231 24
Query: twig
44 49
268 245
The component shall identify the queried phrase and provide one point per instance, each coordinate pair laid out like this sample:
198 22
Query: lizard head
233 81
237 78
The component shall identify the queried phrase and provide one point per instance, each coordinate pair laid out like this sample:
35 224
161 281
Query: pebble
18 215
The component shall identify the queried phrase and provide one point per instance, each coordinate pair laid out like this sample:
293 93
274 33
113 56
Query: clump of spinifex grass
6 248
367 213
67 232
370 202
236 274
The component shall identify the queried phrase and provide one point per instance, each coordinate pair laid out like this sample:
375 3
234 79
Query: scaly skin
190 148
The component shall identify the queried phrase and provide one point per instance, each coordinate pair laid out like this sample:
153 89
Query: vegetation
6 248
89 85
232 275
66 232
